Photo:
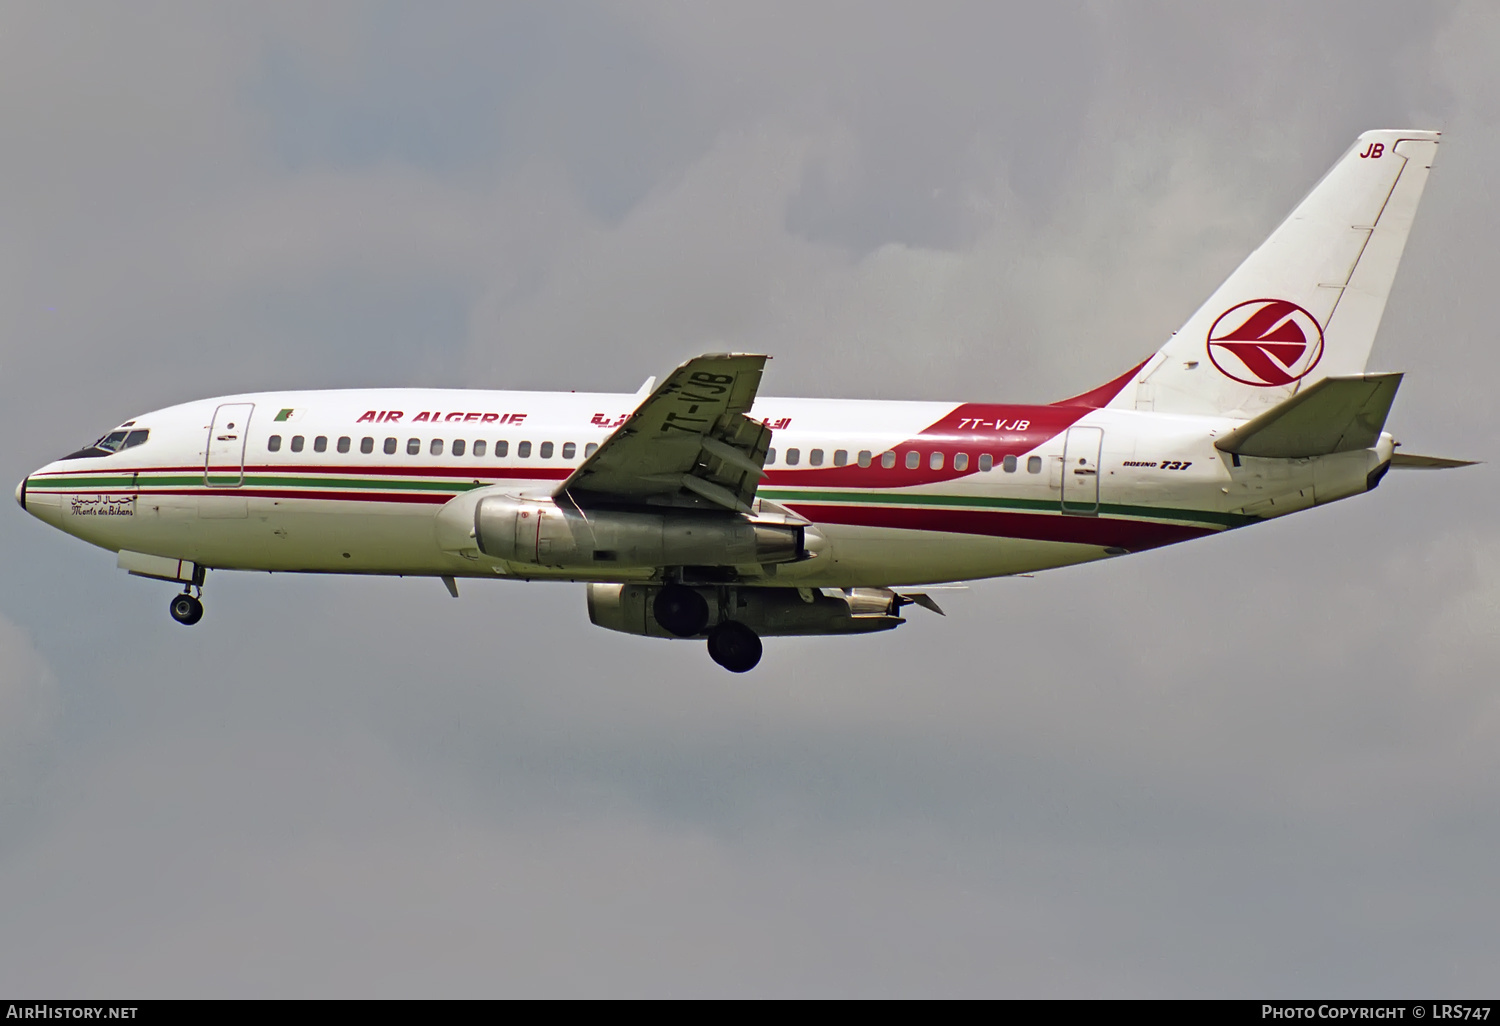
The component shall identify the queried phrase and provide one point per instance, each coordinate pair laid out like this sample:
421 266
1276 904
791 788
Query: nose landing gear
186 608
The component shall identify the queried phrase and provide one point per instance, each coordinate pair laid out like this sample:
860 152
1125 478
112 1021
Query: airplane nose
21 493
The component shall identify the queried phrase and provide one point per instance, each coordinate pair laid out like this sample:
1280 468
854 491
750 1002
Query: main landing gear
683 611
734 646
187 609
680 611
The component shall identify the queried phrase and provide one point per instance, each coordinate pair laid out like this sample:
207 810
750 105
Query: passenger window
887 460
390 447
590 449
569 450
1010 464
413 446
960 461
296 443
913 459
134 439
273 443
771 455
343 443
546 451
459 447
436 448
523 450
864 457
320 444
367 445
1034 465
986 462
840 457
501 448
793 457
935 461
815 457
480 447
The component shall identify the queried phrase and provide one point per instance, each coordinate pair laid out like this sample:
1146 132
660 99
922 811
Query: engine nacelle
769 612
540 532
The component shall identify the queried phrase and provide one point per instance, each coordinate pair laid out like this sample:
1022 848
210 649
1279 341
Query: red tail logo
1265 342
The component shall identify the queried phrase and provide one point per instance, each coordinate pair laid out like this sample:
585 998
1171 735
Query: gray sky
1263 764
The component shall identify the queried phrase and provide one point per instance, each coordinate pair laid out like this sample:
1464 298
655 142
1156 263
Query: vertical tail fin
1305 305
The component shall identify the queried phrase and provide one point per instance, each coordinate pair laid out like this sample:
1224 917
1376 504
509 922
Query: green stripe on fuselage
992 502
147 481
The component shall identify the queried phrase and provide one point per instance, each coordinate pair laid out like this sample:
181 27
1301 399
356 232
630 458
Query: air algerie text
438 416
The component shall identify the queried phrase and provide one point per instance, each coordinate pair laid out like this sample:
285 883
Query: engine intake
540 532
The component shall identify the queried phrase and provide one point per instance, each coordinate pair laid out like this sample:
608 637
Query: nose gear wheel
186 609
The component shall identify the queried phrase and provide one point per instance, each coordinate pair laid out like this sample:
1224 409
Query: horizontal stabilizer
1411 461
1333 415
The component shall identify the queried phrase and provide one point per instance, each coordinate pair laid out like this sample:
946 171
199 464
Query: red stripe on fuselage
476 471
431 498
360 495
972 428
1098 398
1133 535
347 470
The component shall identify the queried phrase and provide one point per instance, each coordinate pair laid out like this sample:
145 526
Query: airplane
697 508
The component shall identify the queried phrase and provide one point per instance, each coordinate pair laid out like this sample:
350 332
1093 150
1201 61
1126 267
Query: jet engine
769 612
540 532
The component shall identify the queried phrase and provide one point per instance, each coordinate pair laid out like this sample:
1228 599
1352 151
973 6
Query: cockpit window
115 441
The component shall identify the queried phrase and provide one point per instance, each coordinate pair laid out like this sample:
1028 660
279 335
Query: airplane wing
688 444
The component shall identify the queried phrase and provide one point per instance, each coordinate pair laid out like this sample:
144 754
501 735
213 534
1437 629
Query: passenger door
1080 484
224 461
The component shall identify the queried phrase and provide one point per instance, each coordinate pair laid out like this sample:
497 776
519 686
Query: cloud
1257 763
30 705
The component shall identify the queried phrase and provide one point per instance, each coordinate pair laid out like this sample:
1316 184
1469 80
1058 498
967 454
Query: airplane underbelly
884 557
344 537
231 532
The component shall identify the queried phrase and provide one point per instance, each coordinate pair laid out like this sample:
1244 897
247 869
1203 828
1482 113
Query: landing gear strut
734 646
186 608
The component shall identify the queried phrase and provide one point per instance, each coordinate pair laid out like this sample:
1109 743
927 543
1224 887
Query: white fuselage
976 490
